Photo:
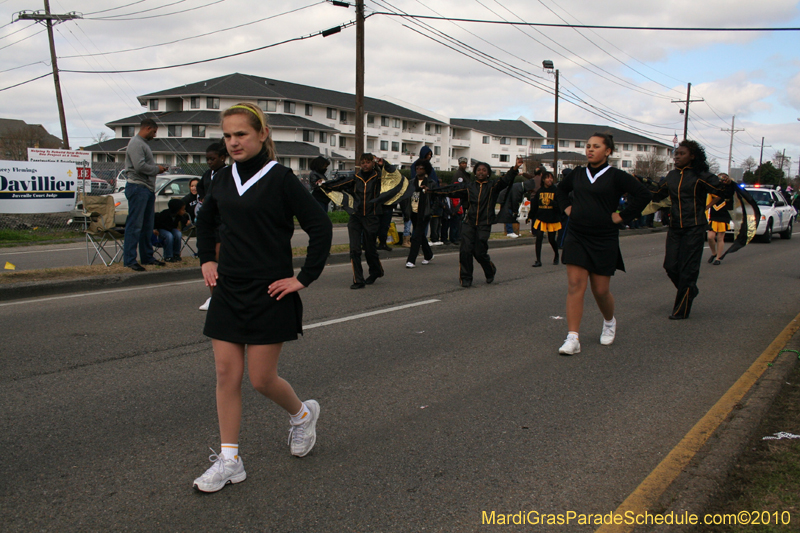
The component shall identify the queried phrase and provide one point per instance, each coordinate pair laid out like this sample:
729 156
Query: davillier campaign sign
82 160
33 187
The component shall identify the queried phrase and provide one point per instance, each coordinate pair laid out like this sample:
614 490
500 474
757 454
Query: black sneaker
156 262
555 261
136 267
357 286
537 264
371 279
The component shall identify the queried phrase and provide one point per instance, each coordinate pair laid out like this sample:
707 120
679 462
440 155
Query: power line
23 66
587 26
343 26
115 8
23 39
15 32
111 17
114 17
24 82
198 36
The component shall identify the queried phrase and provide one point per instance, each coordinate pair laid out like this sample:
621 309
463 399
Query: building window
485 139
627 147
174 131
405 125
285 161
182 159
437 150
370 144
385 122
563 144
268 106
342 142
521 141
395 146
128 131
154 104
212 103
370 120
343 117
427 128
504 158
323 137
308 136
195 102
331 113
495 156
642 148
505 140
404 148
198 131
627 164
384 146
288 107
396 122
303 163
438 129
167 159
333 140
580 144
309 110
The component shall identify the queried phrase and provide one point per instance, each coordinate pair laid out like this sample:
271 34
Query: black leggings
551 236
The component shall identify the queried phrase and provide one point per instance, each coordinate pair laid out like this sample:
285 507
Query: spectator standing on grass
140 172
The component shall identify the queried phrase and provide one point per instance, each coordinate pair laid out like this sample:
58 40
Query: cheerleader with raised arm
591 247
256 306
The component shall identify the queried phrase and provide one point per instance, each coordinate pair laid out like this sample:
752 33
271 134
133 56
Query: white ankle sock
230 451
299 418
609 323
572 335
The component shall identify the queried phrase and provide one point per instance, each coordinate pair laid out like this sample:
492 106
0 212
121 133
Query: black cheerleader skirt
597 253
243 312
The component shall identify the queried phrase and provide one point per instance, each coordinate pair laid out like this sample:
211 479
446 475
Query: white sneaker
303 436
437 243
608 334
427 261
410 265
571 346
222 472
512 235
204 307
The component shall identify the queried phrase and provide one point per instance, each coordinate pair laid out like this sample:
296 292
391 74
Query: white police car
777 215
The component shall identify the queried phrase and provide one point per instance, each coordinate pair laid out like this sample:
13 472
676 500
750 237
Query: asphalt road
431 414
75 254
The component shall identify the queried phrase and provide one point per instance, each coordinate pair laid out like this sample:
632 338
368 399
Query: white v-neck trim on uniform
592 179
257 176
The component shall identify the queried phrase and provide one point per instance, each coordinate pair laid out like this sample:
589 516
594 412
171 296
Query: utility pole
730 150
686 113
783 158
359 79
555 134
761 157
49 19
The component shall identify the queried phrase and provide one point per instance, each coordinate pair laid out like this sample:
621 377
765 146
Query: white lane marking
372 313
94 293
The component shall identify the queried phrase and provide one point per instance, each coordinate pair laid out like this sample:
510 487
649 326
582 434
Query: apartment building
306 122
497 142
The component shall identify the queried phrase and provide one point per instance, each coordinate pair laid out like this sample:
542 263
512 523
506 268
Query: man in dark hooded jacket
426 154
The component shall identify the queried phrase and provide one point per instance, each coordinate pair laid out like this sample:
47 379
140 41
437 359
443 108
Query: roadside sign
81 159
548 146
34 187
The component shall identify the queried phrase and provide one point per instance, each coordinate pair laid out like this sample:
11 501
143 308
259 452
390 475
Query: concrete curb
700 484
38 289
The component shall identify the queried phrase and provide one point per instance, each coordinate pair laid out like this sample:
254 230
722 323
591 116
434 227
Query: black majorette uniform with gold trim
545 212
257 199
719 213
479 200
365 187
592 241
688 190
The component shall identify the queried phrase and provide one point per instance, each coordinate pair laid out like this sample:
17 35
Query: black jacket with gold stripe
480 197
688 188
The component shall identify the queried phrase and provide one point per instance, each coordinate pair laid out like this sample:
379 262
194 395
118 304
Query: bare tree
781 161
15 142
749 164
650 166
100 137
713 165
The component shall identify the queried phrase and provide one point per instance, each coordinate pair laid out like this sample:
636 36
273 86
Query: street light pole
548 66
359 79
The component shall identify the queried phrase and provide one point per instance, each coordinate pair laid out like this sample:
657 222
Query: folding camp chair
189 233
100 230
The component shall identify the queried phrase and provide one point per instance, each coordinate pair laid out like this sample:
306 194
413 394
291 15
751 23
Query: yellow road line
646 495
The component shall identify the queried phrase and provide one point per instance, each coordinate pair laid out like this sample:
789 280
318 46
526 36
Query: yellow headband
261 120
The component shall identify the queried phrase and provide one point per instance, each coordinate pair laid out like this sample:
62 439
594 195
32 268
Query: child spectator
168 225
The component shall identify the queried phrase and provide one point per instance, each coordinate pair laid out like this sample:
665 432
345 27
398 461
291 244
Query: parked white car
168 186
777 214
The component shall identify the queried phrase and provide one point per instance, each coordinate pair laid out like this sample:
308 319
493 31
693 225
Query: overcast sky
631 76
